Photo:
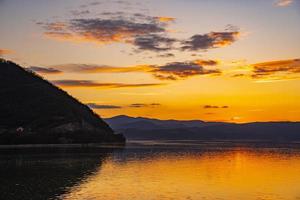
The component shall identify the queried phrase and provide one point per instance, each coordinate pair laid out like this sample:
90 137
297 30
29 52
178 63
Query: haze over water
209 172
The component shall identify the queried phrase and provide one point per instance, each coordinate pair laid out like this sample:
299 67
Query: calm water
212 171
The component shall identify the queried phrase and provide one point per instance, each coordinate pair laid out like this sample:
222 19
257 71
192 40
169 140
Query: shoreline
162 143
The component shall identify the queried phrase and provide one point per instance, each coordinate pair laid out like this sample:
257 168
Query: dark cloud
95 3
238 75
155 104
210 40
100 106
134 17
276 68
141 105
214 107
145 33
107 30
137 105
152 42
44 70
166 55
88 83
80 12
181 70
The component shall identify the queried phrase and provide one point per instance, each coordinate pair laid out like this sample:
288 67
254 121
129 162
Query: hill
32 110
138 128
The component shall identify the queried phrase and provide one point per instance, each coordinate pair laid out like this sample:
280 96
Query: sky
214 60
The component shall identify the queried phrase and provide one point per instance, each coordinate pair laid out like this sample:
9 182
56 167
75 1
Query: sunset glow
209 60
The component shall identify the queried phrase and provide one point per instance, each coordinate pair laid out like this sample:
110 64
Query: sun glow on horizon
165 60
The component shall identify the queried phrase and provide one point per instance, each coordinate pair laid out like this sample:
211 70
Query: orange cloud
207 62
93 84
5 51
88 68
273 70
169 71
165 19
283 3
276 68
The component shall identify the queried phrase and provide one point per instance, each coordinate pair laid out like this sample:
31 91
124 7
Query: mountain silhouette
139 128
32 110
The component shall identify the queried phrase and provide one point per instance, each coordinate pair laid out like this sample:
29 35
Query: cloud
92 84
166 55
145 33
90 68
283 3
154 42
95 3
44 70
280 68
210 40
141 105
181 70
100 106
104 30
207 62
165 19
134 105
79 12
238 75
169 71
214 107
5 51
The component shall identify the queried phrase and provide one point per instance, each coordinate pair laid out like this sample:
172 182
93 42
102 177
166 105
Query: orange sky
208 60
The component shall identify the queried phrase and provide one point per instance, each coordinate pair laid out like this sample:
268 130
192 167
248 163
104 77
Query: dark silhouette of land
140 128
33 111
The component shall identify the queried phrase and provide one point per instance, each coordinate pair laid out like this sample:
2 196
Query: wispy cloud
5 51
79 12
93 84
169 71
101 106
44 70
271 71
91 68
283 3
165 19
279 68
214 107
142 105
134 105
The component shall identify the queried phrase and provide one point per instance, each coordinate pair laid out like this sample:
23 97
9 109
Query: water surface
177 170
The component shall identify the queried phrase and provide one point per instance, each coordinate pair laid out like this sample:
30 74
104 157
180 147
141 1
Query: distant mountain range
32 110
139 128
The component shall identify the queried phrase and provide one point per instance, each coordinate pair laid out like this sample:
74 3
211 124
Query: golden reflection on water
235 175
